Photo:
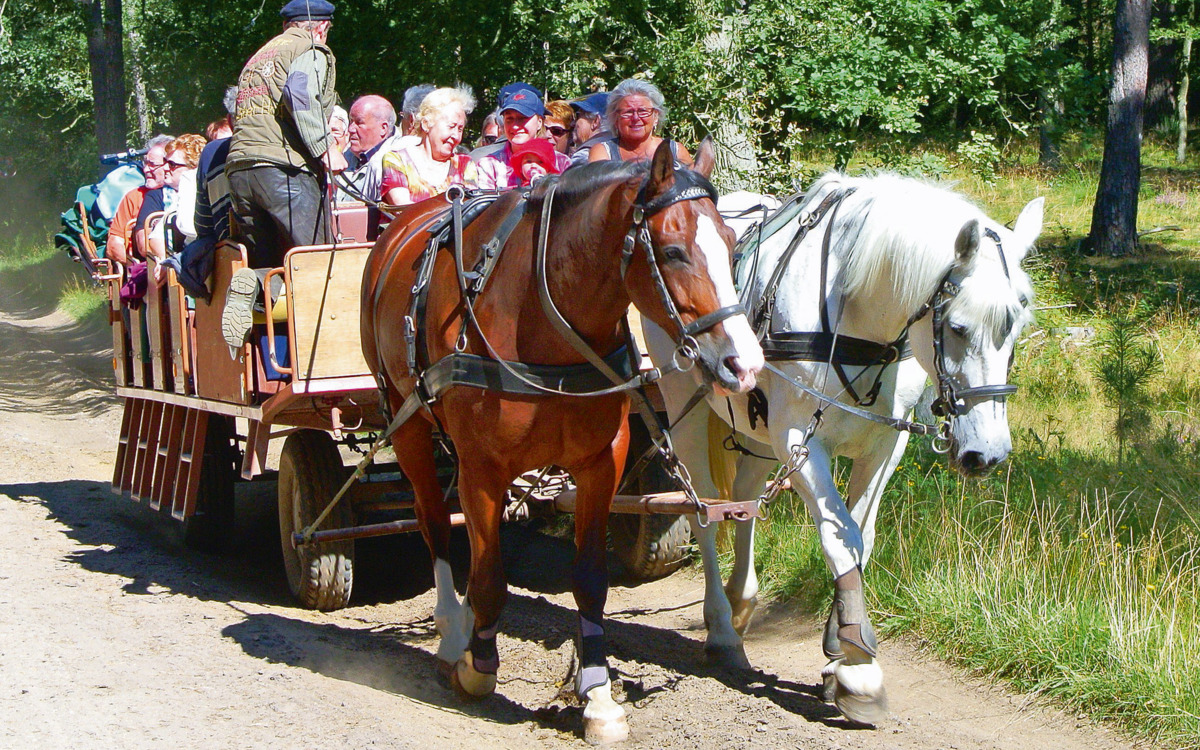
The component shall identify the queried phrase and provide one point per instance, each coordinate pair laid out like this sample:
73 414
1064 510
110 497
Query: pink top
496 173
399 170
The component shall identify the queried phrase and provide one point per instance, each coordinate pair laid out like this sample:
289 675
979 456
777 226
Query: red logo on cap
517 97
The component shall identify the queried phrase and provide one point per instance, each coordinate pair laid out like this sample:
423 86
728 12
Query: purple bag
134 288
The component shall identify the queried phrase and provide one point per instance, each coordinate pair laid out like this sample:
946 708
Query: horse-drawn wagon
199 417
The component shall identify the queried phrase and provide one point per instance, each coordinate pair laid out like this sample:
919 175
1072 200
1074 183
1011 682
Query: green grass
81 300
1067 573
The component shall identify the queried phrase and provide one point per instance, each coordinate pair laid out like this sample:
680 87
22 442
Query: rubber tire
210 527
320 576
649 546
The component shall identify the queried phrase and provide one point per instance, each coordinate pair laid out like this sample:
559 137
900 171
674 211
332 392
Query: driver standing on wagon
280 152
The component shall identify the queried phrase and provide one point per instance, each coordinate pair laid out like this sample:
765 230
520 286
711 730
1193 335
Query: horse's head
679 271
977 314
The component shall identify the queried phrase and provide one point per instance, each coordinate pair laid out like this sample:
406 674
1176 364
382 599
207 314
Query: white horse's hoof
859 693
604 721
728 657
743 610
470 684
829 680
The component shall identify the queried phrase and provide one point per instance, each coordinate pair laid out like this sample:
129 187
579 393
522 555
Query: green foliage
1126 366
981 156
80 301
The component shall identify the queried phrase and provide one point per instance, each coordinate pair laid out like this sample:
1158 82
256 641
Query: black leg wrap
485 657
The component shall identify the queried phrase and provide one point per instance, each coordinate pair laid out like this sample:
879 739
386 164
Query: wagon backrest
323 290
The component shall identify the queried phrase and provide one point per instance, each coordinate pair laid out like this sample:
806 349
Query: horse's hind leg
603 720
414 452
742 588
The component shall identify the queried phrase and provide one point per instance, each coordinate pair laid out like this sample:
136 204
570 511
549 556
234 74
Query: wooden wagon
199 417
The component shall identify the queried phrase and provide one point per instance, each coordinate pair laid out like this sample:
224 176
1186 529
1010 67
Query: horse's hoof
829 687
727 657
605 730
861 709
743 610
603 719
859 693
469 684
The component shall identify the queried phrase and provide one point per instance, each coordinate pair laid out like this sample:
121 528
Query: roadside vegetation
1074 571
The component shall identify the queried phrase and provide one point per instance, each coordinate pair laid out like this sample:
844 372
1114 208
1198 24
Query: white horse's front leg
723 646
853 678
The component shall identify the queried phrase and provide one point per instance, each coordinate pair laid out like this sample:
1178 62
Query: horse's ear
662 171
706 157
966 245
1028 226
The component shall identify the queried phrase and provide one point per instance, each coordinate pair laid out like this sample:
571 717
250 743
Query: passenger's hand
335 161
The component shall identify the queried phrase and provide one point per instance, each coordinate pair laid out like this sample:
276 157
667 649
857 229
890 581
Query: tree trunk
1114 217
139 88
106 57
1164 57
737 159
1051 109
1182 104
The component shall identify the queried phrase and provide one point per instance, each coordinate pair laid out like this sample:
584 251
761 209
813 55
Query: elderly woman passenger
431 166
524 115
635 110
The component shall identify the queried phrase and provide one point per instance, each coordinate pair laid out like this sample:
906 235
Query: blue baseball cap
593 103
307 10
523 98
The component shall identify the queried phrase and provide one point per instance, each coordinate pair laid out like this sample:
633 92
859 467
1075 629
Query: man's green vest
263 129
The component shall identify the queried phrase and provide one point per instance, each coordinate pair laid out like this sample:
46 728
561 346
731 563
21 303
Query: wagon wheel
320 576
649 546
208 529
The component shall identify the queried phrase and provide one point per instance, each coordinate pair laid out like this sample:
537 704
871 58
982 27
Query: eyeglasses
148 166
639 114
558 131
488 140
173 165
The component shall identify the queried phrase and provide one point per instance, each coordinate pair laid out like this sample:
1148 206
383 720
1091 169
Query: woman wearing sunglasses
635 109
560 118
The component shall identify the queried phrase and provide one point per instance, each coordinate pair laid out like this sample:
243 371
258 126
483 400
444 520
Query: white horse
904 260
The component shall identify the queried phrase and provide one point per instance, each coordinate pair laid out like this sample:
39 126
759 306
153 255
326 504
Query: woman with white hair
431 166
635 110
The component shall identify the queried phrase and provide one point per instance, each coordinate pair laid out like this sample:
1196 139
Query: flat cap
307 10
593 103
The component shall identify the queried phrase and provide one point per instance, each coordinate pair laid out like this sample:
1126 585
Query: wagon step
671 504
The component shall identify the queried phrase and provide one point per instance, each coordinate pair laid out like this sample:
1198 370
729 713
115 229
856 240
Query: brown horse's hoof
727 657
469 684
604 720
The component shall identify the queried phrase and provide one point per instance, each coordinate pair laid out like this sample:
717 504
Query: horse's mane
580 183
898 233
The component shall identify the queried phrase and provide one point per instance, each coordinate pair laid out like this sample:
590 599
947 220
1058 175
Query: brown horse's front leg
481 488
603 720
414 452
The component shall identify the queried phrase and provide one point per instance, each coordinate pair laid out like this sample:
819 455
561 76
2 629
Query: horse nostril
731 364
972 461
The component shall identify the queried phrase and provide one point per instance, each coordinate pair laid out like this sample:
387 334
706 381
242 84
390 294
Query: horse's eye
959 328
675 254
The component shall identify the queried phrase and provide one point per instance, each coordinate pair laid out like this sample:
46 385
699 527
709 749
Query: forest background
1074 572
766 78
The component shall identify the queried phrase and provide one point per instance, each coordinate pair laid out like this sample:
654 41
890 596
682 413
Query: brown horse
596 212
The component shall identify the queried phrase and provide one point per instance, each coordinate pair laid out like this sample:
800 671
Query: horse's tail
722 464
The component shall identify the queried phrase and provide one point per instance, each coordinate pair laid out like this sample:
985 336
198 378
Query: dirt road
112 634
